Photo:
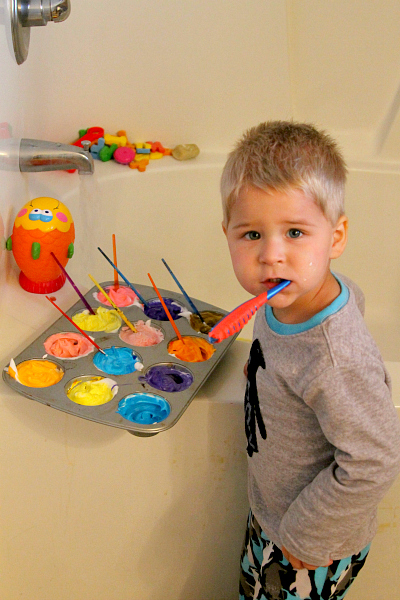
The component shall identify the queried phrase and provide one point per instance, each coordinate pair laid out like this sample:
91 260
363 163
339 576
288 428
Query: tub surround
86 505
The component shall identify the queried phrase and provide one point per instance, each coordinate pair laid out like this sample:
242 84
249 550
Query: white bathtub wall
345 71
186 71
372 255
176 70
92 512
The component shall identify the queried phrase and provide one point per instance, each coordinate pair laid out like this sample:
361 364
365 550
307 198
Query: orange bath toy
43 225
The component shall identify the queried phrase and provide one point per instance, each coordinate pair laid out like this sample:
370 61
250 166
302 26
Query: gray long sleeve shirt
332 443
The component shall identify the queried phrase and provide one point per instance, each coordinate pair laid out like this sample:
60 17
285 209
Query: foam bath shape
43 225
185 151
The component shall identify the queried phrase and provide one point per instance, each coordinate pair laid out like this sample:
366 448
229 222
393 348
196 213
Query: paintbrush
85 302
166 309
237 318
142 300
75 325
115 307
188 299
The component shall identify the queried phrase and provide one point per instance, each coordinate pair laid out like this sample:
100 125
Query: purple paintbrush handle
85 302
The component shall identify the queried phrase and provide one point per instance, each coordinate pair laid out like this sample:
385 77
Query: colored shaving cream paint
155 310
121 297
210 317
145 409
168 377
104 320
68 345
92 391
117 361
145 335
191 349
36 373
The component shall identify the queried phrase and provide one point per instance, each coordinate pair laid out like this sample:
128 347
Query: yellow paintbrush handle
121 314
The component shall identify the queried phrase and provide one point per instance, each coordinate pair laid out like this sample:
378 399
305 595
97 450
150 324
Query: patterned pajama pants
267 575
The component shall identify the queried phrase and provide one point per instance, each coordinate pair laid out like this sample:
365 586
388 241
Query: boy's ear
339 236
223 227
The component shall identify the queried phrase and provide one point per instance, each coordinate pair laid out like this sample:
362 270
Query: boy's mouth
272 282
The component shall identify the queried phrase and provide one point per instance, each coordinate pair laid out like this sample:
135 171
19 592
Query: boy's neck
305 308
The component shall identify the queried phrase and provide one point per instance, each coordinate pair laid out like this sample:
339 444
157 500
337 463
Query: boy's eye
294 233
252 235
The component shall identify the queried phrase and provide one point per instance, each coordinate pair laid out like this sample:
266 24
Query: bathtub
90 511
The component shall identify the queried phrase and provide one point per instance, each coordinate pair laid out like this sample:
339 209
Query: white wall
188 71
177 70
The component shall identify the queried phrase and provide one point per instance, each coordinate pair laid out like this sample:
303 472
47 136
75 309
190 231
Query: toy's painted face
45 214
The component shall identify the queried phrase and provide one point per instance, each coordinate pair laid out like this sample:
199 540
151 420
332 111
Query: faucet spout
38 155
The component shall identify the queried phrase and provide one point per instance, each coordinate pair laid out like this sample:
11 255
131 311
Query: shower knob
39 12
25 14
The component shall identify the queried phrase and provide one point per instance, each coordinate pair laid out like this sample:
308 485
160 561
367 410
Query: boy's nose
271 252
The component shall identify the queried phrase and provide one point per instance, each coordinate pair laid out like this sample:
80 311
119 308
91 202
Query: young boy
323 434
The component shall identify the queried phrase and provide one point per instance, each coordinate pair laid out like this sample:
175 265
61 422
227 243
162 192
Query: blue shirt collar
292 328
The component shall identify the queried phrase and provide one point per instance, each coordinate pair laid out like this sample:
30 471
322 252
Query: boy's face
285 235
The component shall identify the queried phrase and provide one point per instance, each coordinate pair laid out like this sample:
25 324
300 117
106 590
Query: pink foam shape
124 155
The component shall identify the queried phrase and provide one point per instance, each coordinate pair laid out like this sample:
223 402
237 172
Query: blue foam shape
95 148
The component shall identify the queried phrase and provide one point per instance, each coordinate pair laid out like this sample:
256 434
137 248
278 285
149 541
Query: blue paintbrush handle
279 287
183 292
142 300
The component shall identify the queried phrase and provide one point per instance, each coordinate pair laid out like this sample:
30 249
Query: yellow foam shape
120 140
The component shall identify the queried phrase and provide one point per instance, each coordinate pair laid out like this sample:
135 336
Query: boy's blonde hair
282 155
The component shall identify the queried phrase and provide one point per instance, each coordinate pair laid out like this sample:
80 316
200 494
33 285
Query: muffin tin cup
144 408
194 337
92 331
106 304
89 351
154 324
129 351
56 397
174 368
20 363
91 378
156 301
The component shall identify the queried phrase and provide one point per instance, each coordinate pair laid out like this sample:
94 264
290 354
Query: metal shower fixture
33 13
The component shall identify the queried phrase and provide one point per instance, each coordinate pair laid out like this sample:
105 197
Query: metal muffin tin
55 396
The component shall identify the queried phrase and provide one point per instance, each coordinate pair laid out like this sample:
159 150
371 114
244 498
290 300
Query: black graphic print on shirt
252 410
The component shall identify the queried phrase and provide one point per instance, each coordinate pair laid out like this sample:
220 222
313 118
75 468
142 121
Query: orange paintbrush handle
166 309
234 321
116 284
